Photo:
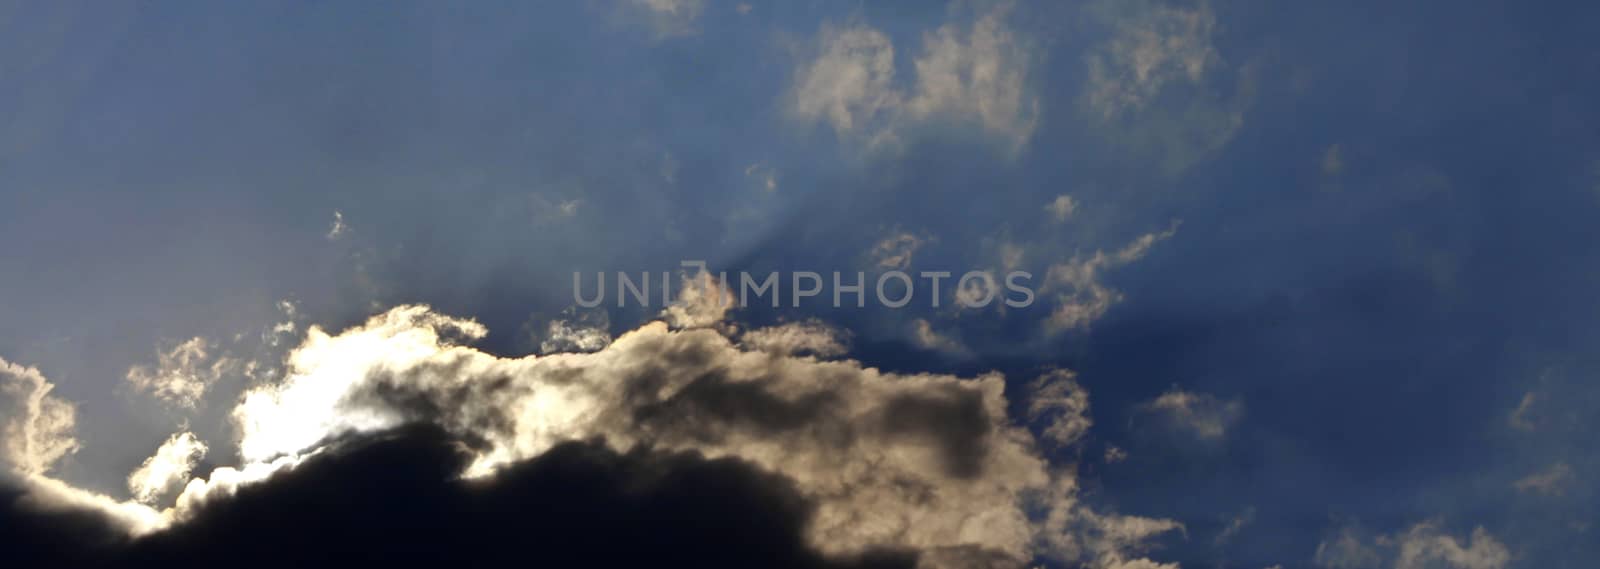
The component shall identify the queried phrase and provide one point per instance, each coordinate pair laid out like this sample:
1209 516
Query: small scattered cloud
1158 45
1115 454
1153 86
547 209
338 229
765 177
1552 481
703 301
807 337
980 73
895 252
1062 405
182 374
924 336
1235 525
976 74
1061 208
1079 293
1422 546
1202 415
1522 418
849 84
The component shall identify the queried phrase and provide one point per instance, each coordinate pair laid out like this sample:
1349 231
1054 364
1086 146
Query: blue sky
1363 326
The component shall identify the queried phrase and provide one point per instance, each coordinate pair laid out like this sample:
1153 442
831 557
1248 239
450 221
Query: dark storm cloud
393 499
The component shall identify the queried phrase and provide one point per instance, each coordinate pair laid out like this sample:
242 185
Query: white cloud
1347 551
1063 405
977 74
1159 45
895 252
1062 207
796 338
167 470
1081 297
39 428
925 337
182 374
850 83
338 229
1423 546
1552 481
980 74
1201 414
703 300
1158 88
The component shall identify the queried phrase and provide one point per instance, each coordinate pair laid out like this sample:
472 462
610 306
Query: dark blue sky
1385 214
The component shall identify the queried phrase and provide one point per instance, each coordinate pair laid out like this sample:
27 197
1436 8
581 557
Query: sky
1310 285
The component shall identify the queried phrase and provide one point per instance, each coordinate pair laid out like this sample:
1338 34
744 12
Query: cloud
167 470
981 74
1235 525
182 374
1061 208
39 428
1422 546
796 338
1062 404
393 499
669 18
703 300
924 336
977 75
925 462
39 432
338 229
577 332
1199 414
895 252
1552 481
850 82
1080 296
1157 86
1522 418
1163 44
548 210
